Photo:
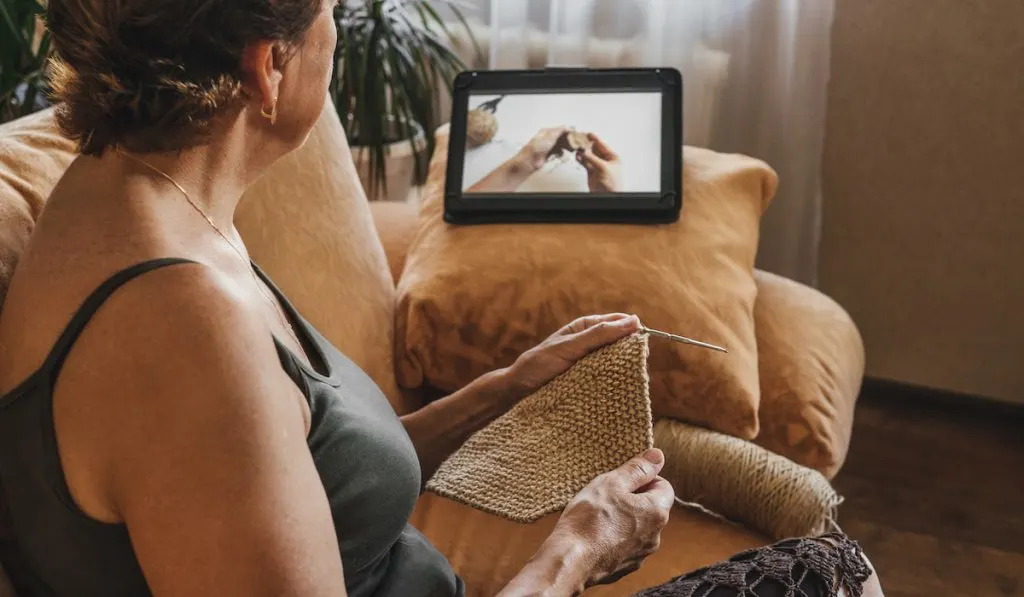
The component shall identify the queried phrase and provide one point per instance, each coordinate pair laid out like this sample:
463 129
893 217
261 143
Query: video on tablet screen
563 143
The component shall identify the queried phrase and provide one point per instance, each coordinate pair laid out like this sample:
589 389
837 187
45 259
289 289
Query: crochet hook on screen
681 339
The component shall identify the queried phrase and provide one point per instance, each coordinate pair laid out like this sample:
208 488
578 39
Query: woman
170 426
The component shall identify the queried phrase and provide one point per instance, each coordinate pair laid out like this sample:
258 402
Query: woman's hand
619 517
604 168
538 149
514 171
604 533
561 350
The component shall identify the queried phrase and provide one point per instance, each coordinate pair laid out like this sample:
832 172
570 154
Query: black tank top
365 459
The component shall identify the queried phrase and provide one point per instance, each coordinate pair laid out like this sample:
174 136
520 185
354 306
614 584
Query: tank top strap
59 352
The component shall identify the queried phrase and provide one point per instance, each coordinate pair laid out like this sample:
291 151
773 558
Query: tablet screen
563 142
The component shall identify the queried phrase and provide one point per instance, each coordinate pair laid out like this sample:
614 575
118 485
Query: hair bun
103 108
152 76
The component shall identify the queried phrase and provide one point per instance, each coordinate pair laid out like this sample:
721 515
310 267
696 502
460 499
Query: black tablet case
477 208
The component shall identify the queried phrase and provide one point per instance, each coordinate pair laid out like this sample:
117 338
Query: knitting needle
682 339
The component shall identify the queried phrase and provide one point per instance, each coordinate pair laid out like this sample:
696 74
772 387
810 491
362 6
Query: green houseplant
24 50
394 63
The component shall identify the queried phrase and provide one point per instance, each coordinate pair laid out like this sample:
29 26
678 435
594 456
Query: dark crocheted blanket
800 567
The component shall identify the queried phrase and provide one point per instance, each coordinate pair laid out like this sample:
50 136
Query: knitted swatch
531 461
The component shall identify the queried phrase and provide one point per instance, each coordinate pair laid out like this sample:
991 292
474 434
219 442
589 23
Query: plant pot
399 167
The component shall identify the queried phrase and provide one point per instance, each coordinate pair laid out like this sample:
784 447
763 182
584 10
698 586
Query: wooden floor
935 494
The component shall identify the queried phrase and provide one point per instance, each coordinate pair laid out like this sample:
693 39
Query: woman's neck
212 176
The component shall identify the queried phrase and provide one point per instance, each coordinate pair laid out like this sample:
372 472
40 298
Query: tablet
565 145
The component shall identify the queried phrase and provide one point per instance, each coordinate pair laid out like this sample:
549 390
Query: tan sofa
327 213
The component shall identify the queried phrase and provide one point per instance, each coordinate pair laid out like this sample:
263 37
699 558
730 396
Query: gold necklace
241 255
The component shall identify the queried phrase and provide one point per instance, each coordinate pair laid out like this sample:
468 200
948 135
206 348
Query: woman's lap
801 567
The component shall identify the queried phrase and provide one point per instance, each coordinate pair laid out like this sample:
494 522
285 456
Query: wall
923 231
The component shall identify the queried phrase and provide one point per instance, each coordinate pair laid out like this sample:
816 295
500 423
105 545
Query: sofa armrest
811 364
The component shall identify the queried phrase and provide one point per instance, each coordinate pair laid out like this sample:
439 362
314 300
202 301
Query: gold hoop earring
271 115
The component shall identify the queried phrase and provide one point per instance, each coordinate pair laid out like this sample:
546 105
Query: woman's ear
261 67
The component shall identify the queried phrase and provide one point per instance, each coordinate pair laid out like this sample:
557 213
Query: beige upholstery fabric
472 298
532 460
396 226
811 363
308 224
33 157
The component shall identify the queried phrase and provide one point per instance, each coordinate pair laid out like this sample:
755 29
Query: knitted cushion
745 483
534 459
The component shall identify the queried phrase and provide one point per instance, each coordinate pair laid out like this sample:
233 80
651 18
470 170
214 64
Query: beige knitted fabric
745 483
534 459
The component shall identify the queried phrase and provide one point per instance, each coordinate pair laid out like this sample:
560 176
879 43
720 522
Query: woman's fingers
545 139
588 321
601 334
661 492
601 149
640 470
589 160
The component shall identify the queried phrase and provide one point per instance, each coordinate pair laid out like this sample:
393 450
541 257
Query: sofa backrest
33 156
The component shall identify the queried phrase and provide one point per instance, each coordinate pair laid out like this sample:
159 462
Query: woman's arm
560 568
507 177
439 428
192 435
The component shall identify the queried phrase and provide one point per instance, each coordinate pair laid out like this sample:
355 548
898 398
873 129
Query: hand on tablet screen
602 164
604 169
538 149
507 177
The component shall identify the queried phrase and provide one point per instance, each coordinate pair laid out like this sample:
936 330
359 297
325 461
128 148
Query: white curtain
755 76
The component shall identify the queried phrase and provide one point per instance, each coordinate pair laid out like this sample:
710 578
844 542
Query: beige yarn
530 462
481 126
743 482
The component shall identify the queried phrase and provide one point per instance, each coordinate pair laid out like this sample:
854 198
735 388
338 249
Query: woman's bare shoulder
180 315
177 352
46 295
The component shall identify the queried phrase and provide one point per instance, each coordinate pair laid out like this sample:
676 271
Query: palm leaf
23 58
394 65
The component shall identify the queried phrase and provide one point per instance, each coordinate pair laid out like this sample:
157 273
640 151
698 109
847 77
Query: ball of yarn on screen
745 483
481 127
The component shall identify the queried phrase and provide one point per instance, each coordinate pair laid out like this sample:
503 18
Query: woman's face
306 77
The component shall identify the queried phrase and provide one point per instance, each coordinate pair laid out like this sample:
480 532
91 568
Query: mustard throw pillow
472 298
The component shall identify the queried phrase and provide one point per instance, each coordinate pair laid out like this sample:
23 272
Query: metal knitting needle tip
682 339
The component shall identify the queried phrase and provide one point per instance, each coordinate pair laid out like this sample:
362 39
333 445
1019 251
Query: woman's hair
151 75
